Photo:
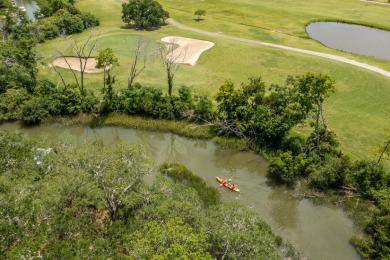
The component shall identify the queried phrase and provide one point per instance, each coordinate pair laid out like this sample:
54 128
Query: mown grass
359 109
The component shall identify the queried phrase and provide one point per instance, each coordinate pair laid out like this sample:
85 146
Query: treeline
48 99
67 201
54 18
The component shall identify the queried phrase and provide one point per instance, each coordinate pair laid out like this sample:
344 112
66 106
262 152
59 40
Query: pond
352 38
321 231
29 5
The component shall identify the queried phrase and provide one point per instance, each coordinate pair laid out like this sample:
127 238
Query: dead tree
171 61
141 59
83 52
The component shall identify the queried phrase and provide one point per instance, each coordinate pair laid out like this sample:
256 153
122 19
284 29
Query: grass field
358 111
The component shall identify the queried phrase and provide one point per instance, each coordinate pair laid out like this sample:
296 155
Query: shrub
204 109
294 144
332 174
11 103
89 20
286 166
34 111
369 177
375 244
90 104
67 22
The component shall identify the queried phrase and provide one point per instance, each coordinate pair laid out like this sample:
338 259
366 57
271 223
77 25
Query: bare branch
83 56
140 53
58 73
171 60
69 66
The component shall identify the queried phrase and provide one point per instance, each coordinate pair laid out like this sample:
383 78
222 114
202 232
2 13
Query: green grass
358 111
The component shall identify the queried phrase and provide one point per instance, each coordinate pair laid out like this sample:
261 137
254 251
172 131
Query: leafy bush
286 166
327 140
369 177
294 144
89 20
204 109
67 22
46 29
34 111
11 103
148 101
375 244
332 174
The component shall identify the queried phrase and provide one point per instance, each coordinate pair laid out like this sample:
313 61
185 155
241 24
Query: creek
320 230
352 38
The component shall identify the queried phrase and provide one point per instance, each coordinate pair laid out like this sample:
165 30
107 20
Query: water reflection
352 38
320 231
284 208
30 6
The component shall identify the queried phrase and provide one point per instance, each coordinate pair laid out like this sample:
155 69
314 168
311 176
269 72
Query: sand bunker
188 50
74 63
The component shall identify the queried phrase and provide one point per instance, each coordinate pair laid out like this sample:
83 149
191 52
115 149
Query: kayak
227 184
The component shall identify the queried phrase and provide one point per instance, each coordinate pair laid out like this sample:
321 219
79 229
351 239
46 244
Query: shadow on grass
145 29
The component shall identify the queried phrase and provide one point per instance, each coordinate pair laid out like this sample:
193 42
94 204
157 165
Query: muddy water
352 38
321 231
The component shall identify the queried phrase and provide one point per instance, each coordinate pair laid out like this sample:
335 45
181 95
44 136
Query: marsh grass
183 128
179 173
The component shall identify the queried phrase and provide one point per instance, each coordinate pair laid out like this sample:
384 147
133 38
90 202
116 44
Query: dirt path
314 53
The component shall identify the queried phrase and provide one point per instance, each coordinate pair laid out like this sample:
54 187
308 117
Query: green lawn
358 111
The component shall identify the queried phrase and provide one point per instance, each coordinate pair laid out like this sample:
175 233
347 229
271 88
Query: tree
83 52
171 61
310 92
236 233
106 59
199 13
141 59
118 171
143 14
171 239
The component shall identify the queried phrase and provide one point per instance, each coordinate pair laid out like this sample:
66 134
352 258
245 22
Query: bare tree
141 59
83 52
171 60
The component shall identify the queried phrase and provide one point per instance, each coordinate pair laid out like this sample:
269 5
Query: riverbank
358 209
182 128
313 226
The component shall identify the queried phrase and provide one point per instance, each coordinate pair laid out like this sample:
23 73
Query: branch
70 67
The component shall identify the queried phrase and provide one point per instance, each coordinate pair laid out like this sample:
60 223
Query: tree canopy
143 14
61 200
